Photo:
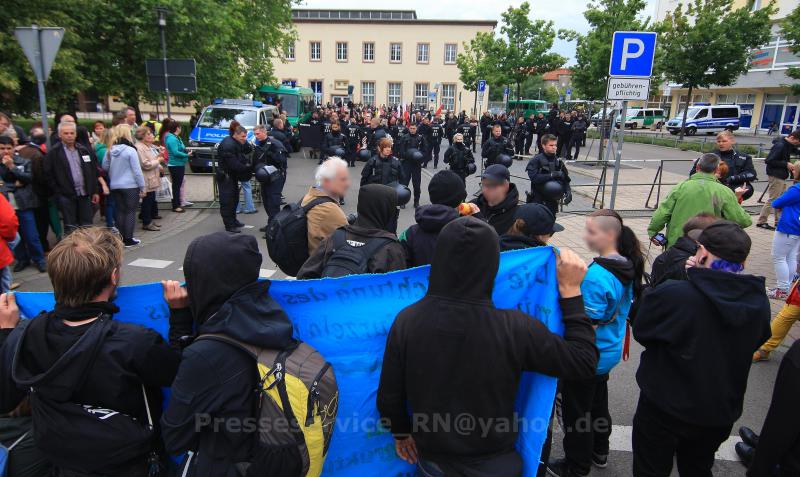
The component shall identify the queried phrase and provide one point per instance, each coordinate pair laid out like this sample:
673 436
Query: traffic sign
432 96
40 45
506 91
632 54
481 86
628 89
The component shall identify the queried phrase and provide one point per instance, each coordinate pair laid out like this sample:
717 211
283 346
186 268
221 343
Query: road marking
150 263
621 438
249 227
266 273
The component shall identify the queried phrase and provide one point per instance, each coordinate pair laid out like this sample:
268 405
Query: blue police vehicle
705 118
212 126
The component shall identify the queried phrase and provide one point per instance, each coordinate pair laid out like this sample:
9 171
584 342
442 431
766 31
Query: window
289 52
648 113
369 52
315 51
395 52
449 97
368 93
341 51
421 95
701 114
450 50
395 94
724 113
422 52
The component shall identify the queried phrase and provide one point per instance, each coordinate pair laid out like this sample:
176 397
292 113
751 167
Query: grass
701 147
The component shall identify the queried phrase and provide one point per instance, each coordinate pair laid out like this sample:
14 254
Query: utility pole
162 25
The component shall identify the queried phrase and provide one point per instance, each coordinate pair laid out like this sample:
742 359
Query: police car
706 118
212 127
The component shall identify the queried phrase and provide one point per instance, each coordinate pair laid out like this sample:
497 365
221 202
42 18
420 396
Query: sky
569 15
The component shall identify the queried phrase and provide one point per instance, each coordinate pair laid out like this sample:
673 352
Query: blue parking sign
632 54
481 86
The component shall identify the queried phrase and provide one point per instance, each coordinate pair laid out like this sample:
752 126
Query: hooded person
350 249
499 198
446 191
215 381
534 225
439 345
699 336
671 265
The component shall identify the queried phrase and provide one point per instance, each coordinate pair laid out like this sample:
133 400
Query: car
644 117
707 119
212 127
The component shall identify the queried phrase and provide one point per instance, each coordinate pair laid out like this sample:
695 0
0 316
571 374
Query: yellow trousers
781 325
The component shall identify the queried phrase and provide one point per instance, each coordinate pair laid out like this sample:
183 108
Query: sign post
481 89
40 45
629 71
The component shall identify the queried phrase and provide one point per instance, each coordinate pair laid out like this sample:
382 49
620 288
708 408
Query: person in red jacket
8 233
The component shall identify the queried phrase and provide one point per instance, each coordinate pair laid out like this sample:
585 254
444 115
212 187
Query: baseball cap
727 241
538 218
496 173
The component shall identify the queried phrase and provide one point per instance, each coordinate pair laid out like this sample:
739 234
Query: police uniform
353 138
495 146
381 170
564 134
234 167
541 169
272 153
412 171
437 132
426 131
459 157
464 129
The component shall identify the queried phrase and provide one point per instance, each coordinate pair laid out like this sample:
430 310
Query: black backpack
287 236
351 257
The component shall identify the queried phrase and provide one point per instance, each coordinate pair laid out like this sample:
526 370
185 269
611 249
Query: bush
701 147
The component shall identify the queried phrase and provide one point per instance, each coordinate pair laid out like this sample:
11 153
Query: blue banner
347 321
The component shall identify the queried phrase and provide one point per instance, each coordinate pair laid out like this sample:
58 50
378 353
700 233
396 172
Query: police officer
541 130
315 123
437 133
459 157
485 124
353 138
425 130
465 128
383 167
412 167
372 134
234 166
577 135
495 146
450 126
530 126
519 136
564 127
549 176
473 132
270 152
278 133
332 142
741 171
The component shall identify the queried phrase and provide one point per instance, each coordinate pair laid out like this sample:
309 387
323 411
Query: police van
707 119
644 118
212 126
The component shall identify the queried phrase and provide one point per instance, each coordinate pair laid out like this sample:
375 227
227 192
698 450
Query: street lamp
162 25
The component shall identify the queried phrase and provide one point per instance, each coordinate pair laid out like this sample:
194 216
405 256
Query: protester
71 172
612 283
460 158
127 182
781 324
332 181
366 246
76 362
382 167
446 191
448 342
699 335
779 169
177 156
234 167
702 192
499 198
7 125
534 226
9 226
671 265
550 181
45 217
150 161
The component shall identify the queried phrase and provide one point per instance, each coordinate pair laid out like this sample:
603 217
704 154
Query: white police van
212 126
707 119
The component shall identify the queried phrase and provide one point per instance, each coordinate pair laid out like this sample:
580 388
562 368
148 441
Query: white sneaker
187 204
134 242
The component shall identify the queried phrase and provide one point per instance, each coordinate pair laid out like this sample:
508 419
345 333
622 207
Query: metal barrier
255 185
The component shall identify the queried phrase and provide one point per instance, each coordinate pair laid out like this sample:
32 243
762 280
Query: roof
406 17
553 75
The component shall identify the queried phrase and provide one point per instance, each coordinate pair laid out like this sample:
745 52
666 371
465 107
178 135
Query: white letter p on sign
627 53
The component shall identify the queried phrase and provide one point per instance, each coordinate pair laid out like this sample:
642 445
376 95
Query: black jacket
778 157
281 136
233 159
466 130
411 141
454 353
671 265
459 156
542 169
517 242
426 131
699 336
494 147
419 240
19 180
565 126
501 216
740 167
437 133
272 153
217 380
59 176
371 137
779 442
381 170
333 141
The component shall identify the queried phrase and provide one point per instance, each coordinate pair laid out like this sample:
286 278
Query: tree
478 61
790 30
708 43
593 50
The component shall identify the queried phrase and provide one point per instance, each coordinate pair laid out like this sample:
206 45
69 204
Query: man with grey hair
332 180
71 173
701 193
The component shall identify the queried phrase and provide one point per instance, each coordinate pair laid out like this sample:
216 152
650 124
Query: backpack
287 236
298 402
351 257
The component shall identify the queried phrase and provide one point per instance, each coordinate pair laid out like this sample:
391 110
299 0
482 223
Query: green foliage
790 29
478 61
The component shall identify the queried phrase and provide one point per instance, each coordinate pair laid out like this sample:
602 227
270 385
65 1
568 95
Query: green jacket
700 193
175 150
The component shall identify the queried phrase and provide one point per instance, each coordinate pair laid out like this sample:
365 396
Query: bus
528 106
298 102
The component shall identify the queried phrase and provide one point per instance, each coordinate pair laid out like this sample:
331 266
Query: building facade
381 57
561 79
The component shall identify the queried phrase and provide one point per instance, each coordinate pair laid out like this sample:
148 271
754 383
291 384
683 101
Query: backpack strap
247 348
316 202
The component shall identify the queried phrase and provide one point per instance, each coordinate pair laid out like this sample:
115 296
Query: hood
686 244
216 266
377 206
511 200
118 149
619 266
465 260
431 218
517 242
738 298
252 316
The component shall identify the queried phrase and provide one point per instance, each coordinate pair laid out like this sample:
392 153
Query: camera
659 239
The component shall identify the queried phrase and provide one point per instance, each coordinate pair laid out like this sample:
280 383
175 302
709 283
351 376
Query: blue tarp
347 321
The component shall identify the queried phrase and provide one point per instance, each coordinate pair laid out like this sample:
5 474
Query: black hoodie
518 242
671 265
215 379
500 216
453 352
699 337
419 240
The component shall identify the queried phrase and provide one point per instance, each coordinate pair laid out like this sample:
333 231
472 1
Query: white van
644 118
707 119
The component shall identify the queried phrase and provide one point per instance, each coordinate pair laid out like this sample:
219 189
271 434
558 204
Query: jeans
149 206
110 212
76 211
587 422
25 460
126 201
176 173
781 325
247 192
775 189
784 258
30 247
5 279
